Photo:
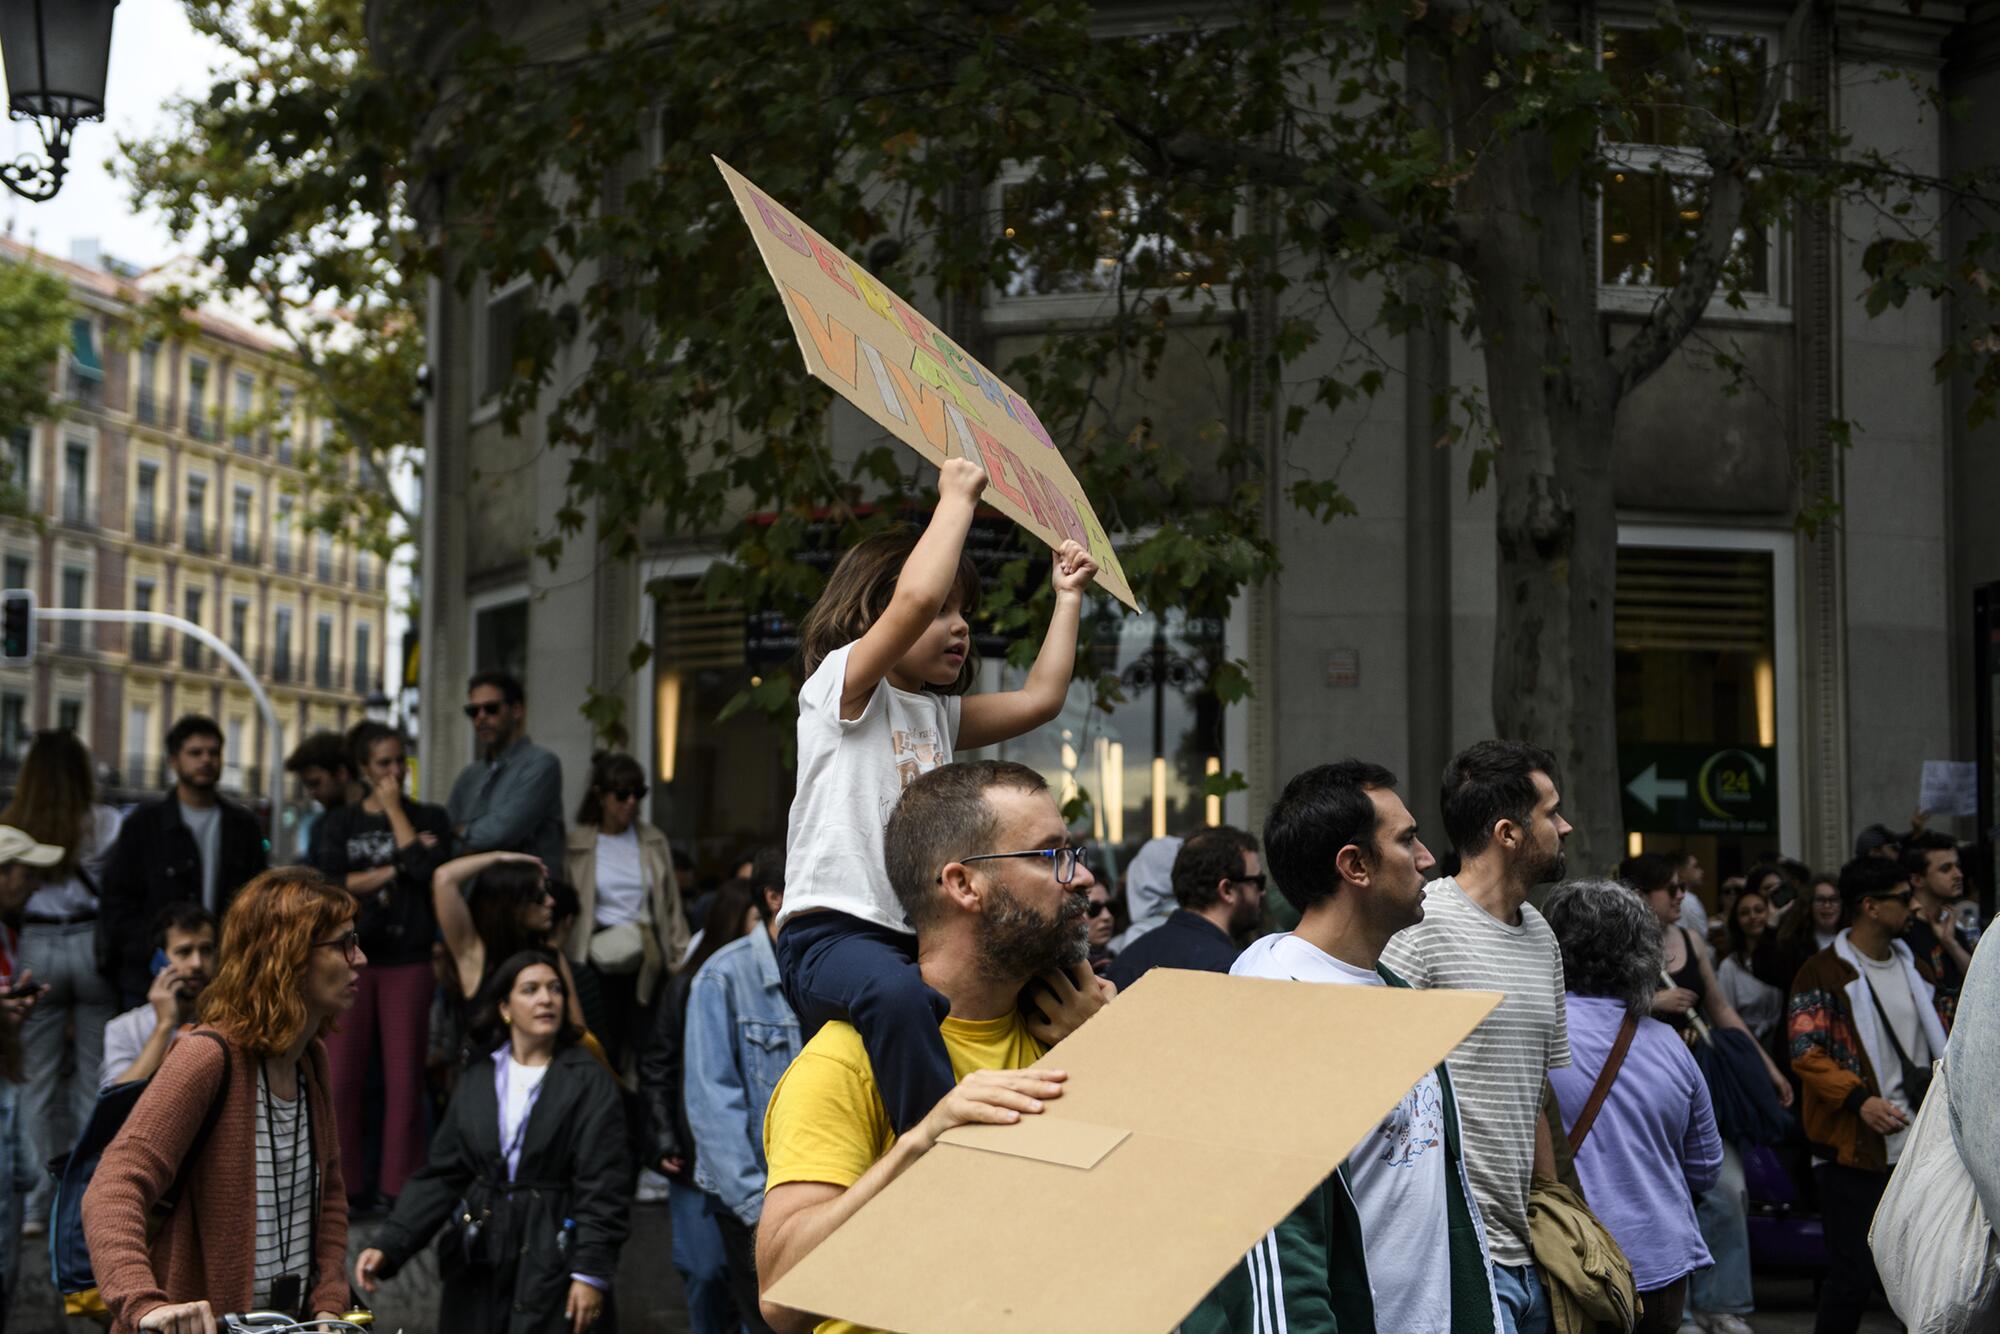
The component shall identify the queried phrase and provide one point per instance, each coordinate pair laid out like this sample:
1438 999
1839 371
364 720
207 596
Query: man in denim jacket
741 1034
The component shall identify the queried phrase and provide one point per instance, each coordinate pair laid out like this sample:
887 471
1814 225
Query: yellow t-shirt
826 1121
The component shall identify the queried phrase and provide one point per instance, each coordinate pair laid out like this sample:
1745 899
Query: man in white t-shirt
1479 933
137 1041
1398 1222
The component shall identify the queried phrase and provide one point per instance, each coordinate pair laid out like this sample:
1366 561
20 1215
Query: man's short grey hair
942 817
1610 942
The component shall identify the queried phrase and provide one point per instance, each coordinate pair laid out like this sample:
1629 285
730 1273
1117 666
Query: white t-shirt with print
1397 1174
850 774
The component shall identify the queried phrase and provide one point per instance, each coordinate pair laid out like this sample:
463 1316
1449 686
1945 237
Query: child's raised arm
921 588
987 719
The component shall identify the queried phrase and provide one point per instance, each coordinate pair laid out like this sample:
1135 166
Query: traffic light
17 627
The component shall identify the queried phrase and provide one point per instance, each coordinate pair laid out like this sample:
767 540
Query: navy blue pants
840 967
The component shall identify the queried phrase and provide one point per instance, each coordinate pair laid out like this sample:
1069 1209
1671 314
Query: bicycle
277 1322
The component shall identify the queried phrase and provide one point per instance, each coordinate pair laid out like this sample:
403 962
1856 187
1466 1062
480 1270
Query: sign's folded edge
1042 1139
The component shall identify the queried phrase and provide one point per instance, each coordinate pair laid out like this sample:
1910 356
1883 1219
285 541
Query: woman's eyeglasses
628 793
349 945
1098 908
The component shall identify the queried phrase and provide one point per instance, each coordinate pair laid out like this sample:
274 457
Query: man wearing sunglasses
1864 1030
1219 886
982 864
510 798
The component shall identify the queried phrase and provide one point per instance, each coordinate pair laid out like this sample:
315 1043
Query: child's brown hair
859 591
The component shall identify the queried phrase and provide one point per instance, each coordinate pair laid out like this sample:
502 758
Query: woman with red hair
257 1218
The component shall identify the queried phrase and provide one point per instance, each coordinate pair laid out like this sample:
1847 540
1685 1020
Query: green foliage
34 331
289 177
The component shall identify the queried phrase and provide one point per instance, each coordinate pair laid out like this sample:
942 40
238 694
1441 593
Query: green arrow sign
1677 788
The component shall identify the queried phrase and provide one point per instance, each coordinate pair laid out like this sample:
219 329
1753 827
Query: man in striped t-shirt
1480 933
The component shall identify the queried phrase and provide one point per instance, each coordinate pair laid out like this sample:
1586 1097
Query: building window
197 413
1655 184
146 503
1136 244
86 372
69 715
239 624
364 658
246 385
146 404
77 502
501 328
287 403
20 452
14 736
239 524
139 745
500 638
195 525
142 634
323 557
281 644
193 651
323 653
284 534
17 571
74 583
364 571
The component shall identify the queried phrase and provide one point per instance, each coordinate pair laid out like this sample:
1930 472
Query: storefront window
1697 704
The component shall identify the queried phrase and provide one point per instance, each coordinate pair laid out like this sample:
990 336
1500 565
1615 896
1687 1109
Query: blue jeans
703 1265
1722 1214
840 967
1524 1306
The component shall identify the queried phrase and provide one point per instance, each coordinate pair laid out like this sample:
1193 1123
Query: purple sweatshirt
1653 1145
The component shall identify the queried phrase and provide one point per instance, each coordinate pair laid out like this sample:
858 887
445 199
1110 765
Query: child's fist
1073 569
961 479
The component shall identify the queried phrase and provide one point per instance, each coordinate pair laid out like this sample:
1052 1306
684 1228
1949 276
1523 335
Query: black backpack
69 1254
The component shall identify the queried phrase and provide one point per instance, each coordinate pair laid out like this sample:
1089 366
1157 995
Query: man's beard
1016 941
1554 869
1245 917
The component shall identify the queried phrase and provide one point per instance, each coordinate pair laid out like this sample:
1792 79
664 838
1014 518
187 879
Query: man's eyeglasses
491 708
627 793
1902 896
1066 859
1829 900
1255 882
349 945
1098 907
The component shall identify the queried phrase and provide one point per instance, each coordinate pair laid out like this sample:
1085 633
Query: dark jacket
156 862
397 922
662 1062
573 1166
1184 940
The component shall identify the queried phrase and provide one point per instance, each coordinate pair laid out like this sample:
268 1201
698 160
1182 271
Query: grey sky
154 55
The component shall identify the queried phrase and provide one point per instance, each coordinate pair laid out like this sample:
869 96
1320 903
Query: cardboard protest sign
1200 1109
877 352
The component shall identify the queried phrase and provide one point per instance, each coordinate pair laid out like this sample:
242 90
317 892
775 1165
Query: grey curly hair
1610 942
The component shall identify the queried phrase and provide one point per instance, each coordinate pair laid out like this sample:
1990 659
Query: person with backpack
237 1131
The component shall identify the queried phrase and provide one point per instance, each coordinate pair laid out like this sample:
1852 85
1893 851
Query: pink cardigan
207 1247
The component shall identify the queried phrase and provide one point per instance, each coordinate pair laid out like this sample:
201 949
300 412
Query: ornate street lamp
56 53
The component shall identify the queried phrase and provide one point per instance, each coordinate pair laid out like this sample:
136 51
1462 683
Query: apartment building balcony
283 556
196 538
323 674
146 407
84 389
79 511
146 527
195 655
281 666
143 647
199 425
244 550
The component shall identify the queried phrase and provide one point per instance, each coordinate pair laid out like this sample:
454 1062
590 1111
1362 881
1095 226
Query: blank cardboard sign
1200 1109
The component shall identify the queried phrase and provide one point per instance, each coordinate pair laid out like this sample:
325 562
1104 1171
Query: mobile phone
21 989
159 963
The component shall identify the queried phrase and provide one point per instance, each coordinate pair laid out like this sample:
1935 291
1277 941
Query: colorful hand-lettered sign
874 348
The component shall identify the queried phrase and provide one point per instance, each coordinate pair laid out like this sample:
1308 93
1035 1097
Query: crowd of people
488 1028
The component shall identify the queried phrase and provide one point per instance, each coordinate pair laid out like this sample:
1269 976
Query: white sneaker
1722 1322
1689 1325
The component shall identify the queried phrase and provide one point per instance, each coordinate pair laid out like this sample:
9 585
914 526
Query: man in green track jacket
1393 1240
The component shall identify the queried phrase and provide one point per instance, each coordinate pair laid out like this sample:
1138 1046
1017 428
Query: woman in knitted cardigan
261 1218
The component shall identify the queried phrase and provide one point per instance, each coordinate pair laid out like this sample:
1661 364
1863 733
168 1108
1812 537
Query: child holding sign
886 658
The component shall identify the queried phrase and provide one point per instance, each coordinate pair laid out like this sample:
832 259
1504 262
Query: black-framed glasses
491 708
1066 860
628 793
1902 896
1255 882
349 945
1098 907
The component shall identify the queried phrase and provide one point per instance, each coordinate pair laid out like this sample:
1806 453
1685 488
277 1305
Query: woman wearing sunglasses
239 1129
630 931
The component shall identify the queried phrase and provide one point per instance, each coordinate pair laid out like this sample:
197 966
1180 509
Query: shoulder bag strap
1605 1078
1888 1027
